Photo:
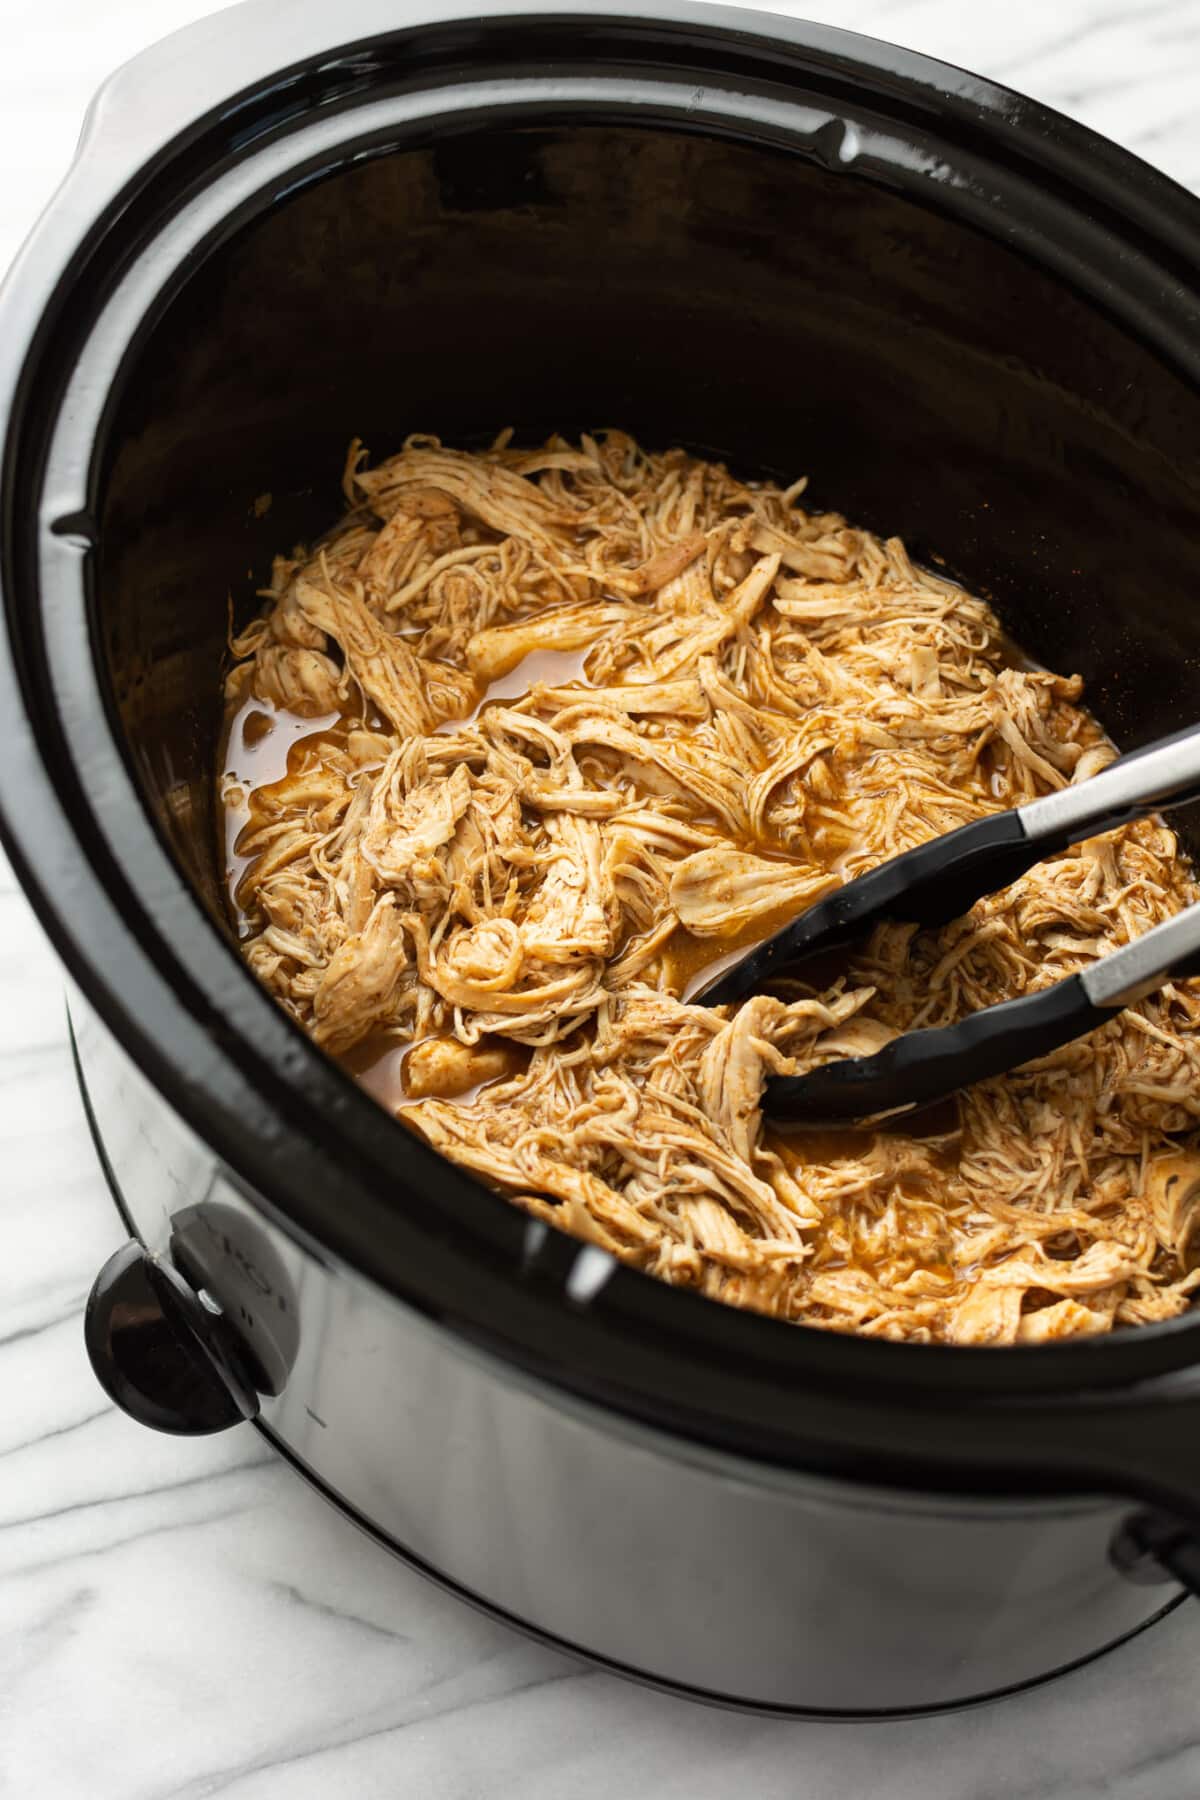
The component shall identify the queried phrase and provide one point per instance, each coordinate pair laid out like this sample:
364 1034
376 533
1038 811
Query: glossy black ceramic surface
974 323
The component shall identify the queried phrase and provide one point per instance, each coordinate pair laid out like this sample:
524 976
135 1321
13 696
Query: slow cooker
978 325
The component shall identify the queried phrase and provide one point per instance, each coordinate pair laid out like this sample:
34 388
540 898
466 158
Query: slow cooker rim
854 1359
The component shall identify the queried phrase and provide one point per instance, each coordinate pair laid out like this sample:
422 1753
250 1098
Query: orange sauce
690 962
931 1133
379 1064
815 1146
552 668
257 751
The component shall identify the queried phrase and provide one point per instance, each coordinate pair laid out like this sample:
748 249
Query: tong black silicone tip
942 879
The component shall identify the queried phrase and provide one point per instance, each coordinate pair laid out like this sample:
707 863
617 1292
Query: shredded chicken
603 717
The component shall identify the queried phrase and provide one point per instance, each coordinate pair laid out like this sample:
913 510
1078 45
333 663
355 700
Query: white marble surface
183 1619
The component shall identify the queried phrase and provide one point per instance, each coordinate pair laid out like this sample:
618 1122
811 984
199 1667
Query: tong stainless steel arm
922 1067
940 880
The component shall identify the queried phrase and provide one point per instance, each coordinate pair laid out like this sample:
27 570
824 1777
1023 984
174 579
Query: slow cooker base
681 1690
980 322
563 1645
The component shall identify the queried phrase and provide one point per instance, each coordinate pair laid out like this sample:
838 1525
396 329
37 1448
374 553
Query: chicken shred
603 717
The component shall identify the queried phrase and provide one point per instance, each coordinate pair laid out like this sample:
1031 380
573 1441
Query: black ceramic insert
973 323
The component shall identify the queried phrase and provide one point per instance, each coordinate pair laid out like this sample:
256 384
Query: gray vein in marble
182 1618
1116 18
289 1590
208 1482
227 1781
46 1437
45 1637
67 1315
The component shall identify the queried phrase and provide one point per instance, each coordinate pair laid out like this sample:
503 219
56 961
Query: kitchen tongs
937 882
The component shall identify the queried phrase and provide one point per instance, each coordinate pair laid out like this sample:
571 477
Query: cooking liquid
551 668
257 750
379 1064
690 963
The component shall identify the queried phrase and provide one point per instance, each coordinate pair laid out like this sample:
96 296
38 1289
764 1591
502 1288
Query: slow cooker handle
1139 1443
1152 1547
163 1351
1161 1541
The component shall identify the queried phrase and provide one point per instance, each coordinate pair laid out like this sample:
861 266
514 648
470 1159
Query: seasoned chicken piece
986 1315
1067 1318
443 1068
1173 1193
825 559
712 781
1100 1266
491 654
733 1069
382 664
860 1037
665 565
678 699
699 631
358 987
505 501
300 681
573 912
720 891
405 829
391 549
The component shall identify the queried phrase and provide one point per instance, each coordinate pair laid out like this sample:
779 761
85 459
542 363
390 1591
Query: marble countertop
182 1619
